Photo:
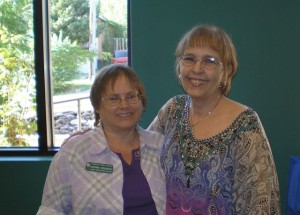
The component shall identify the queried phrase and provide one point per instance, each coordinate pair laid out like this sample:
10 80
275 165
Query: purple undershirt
136 191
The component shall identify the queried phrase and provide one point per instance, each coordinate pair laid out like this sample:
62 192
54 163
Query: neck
120 141
200 110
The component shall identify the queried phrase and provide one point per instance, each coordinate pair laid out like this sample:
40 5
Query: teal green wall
22 181
267 37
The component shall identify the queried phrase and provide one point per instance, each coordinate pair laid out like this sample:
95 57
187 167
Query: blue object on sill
293 194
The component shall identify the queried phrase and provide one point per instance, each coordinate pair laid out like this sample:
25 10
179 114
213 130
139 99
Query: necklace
192 151
206 115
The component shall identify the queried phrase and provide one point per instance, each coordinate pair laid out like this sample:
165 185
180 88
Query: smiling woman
114 168
215 148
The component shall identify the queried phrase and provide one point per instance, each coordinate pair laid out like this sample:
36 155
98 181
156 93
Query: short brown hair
108 76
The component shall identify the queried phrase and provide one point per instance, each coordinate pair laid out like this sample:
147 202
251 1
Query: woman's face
198 81
122 116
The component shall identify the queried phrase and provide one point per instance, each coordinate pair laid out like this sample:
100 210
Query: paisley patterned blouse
232 172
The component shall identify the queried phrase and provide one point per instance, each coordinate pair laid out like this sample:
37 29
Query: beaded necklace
190 156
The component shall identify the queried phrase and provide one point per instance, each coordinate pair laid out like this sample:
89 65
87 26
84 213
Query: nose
124 102
198 66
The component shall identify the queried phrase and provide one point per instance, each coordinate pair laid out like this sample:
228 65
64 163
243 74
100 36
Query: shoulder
166 116
150 137
175 102
236 109
178 99
149 134
83 141
248 121
231 110
234 106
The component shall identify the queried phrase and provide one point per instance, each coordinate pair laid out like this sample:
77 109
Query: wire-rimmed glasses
206 62
115 99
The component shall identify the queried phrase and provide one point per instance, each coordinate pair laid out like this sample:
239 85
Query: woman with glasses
216 155
114 168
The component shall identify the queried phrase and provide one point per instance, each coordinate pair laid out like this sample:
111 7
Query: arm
56 195
162 119
256 183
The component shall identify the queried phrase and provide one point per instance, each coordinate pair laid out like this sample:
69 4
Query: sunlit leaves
17 83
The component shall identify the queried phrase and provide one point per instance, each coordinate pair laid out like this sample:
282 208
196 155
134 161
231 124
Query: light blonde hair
210 36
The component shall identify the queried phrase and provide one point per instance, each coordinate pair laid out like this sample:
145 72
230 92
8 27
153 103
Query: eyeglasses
115 99
206 62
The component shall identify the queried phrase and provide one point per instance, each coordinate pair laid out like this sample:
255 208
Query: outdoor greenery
66 59
70 21
69 39
17 86
70 18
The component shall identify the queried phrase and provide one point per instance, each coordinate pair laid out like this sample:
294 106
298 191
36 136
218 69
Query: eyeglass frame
120 98
201 60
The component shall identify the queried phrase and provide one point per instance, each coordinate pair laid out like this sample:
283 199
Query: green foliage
105 59
17 88
66 60
16 16
17 81
71 18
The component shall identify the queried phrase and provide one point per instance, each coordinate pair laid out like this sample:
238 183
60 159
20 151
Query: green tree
71 19
17 75
66 59
17 83
16 15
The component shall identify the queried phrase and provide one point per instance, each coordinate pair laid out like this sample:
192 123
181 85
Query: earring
223 85
98 123
179 79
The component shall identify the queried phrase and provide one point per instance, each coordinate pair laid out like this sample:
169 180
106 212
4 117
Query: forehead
120 84
201 51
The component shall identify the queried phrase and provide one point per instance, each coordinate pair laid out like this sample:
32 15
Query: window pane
86 35
18 126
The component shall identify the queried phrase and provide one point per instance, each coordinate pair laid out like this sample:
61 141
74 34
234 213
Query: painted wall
267 37
22 181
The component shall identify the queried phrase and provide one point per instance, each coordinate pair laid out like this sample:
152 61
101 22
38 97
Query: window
49 64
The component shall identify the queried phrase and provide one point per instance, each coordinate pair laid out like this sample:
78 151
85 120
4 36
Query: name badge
99 167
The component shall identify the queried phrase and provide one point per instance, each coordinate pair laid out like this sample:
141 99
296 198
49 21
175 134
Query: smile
124 114
197 82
